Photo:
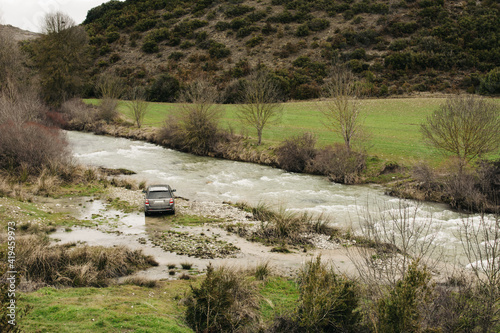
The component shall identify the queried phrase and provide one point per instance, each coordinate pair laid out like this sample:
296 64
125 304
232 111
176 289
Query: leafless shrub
462 193
464 188
110 87
138 106
489 181
78 114
296 153
425 176
20 108
31 147
400 239
14 76
108 109
401 227
480 238
340 164
456 305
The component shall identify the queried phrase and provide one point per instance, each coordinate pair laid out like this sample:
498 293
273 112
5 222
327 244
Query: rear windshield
159 194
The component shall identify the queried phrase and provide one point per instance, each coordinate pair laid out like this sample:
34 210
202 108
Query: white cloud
27 14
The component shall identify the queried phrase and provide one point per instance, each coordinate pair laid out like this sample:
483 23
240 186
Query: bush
78 114
195 129
165 88
306 91
112 36
108 109
31 146
150 46
237 10
218 50
254 41
176 55
145 25
222 26
339 164
401 310
327 301
318 24
302 30
296 153
490 85
224 302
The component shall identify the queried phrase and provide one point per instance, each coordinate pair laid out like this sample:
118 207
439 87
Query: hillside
397 47
17 34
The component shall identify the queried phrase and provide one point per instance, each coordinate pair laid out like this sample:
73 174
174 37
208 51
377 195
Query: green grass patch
279 297
128 308
192 220
122 205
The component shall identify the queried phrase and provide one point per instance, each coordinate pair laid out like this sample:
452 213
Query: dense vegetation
395 47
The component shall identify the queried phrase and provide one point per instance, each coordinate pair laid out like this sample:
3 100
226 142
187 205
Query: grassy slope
394 125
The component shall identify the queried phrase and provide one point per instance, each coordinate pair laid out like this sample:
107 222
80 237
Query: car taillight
146 202
171 201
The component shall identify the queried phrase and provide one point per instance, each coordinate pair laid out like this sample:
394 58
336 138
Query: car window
159 194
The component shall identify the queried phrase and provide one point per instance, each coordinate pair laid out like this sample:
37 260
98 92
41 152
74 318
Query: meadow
393 125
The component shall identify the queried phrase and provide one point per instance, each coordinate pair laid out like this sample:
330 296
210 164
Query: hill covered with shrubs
394 46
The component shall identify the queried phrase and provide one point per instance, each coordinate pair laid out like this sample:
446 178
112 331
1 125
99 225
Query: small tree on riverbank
342 108
260 102
138 106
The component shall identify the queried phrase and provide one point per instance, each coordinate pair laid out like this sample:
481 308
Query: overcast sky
27 14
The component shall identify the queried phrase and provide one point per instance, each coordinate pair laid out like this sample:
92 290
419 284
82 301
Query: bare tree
109 86
400 236
260 102
138 106
400 241
342 108
465 126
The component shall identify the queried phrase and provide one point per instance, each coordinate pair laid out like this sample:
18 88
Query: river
210 179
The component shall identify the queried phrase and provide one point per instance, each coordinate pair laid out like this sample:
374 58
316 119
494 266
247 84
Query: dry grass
75 266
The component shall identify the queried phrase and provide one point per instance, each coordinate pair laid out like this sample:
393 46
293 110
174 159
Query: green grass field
393 125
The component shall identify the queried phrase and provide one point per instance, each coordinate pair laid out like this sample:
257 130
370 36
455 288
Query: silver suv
159 198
